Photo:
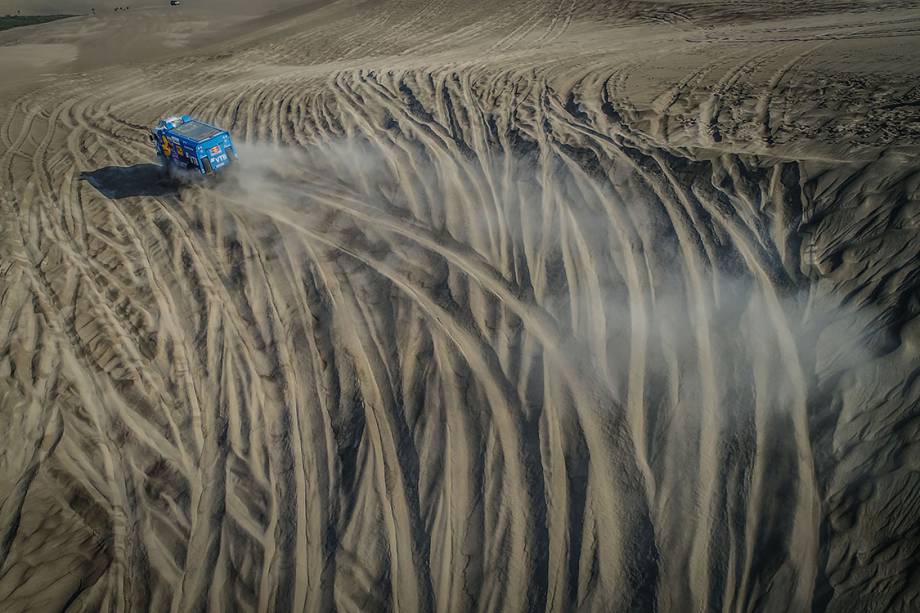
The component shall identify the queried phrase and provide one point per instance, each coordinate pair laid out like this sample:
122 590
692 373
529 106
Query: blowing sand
507 306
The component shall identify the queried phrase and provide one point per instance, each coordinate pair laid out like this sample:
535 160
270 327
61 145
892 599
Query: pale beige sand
27 61
507 306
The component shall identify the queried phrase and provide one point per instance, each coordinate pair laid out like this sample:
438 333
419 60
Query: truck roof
196 130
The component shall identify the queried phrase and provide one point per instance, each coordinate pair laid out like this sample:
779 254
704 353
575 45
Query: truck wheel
206 164
231 154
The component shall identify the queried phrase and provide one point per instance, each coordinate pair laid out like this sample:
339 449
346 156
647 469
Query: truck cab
183 142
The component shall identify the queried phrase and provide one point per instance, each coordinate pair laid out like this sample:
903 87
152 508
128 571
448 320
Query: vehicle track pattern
461 334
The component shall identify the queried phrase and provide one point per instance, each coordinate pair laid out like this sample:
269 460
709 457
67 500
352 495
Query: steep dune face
544 307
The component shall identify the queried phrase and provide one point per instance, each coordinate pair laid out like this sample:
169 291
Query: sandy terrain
543 305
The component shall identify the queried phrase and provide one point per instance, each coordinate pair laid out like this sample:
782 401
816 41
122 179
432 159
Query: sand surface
518 306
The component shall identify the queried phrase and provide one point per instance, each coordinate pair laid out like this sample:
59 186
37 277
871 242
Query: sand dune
519 306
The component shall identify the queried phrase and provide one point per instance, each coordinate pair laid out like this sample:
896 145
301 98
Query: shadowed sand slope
543 306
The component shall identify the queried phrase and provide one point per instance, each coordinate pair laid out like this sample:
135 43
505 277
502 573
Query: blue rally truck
184 142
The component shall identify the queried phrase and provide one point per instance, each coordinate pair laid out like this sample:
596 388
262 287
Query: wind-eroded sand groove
494 313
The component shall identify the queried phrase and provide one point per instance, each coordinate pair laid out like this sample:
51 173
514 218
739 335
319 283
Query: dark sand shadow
126 181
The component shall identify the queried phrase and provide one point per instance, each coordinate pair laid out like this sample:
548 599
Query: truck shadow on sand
129 181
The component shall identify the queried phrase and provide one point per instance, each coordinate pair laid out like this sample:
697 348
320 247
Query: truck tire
206 164
231 153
